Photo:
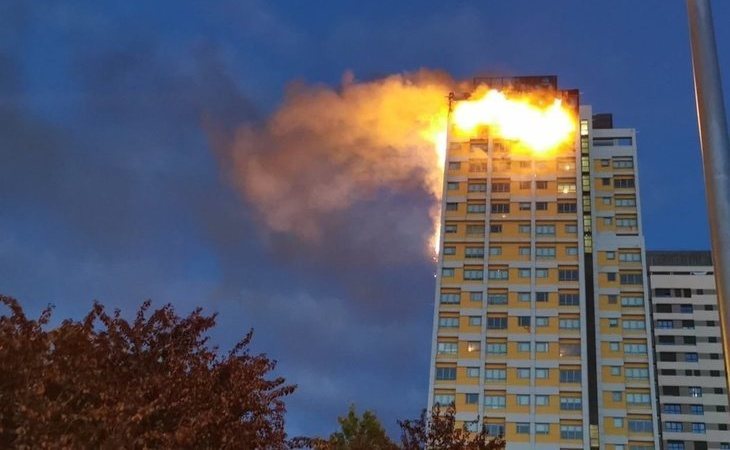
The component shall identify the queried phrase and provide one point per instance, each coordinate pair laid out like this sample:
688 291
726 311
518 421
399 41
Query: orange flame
539 130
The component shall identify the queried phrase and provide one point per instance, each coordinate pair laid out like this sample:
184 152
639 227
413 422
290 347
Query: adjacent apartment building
541 322
692 381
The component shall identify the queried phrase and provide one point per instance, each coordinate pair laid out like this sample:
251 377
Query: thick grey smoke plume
326 151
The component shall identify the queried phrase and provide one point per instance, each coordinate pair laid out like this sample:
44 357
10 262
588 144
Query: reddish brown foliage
438 430
105 382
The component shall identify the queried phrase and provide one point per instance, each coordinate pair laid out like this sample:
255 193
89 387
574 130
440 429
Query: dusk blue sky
110 188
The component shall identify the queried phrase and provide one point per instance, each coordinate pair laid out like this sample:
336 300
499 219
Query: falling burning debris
324 151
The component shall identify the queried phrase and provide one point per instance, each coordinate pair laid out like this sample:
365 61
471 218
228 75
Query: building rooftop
679 257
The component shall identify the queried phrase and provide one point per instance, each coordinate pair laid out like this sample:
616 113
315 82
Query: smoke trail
324 151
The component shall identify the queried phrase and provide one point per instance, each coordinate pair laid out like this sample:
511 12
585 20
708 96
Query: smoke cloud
326 151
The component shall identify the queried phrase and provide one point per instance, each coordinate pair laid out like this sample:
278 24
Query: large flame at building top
535 124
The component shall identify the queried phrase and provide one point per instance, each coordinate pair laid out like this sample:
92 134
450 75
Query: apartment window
638 398
571 229
611 276
496 299
541 297
473 274
569 324
454 165
618 422
446 373
448 322
570 376
452 186
523 347
447 272
524 229
672 408
500 187
571 403
637 373
542 428
676 445
522 428
623 182
523 273
474 252
571 432
443 399
452 206
545 230
475 321
632 301
541 273
695 391
635 348
629 257
568 274
475 296
500 208
496 349
497 323
545 252
565 299
523 400
665 324
495 374
477 187
612 298
625 202
525 185
686 309
566 187
523 321
498 274
541 184
567 207
541 322
607 220
495 429
617 396
542 373
523 296
447 348
542 400
495 228
541 206
473 208
495 251
697 410
626 222
614 346
471 399
541 347
606 181
691 357
631 278
623 163
524 206
494 401
640 425
475 230
449 298
450 228
480 166
606 200
524 251
675 427
633 325
448 251
571 251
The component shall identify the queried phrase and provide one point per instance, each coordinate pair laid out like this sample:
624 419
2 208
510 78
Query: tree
438 431
356 433
153 382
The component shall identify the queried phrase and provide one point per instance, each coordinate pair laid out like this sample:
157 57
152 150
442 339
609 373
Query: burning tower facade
541 321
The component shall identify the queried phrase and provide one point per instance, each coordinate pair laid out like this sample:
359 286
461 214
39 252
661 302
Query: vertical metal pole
715 153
